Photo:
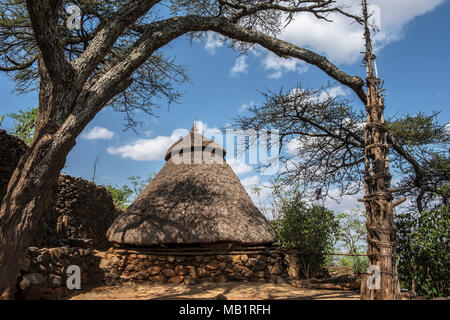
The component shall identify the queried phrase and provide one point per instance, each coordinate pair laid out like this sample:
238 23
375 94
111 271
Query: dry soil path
232 291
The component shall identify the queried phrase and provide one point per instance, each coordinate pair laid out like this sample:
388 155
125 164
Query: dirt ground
231 290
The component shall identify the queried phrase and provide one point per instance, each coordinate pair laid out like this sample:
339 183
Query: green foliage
138 184
1 119
424 254
309 229
358 264
417 130
120 195
352 230
123 196
24 124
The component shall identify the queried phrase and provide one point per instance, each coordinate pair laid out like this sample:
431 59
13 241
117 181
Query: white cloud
155 149
344 203
447 128
342 41
240 66
148 133
279 65
213 41
97 133
263 196
148 149
250 182
239 166
333 93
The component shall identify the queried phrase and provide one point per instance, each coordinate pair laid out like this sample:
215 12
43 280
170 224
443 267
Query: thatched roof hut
199 201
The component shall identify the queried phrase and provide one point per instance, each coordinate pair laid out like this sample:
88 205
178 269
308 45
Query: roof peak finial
194 126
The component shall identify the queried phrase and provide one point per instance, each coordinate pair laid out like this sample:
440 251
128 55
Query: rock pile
191 268
83 213
82 210
80 215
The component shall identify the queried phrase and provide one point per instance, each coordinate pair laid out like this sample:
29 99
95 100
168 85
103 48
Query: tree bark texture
381 230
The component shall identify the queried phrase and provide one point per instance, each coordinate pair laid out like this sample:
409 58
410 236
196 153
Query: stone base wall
43 272
193 268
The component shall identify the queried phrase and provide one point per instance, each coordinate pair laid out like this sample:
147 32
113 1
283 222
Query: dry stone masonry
11 150
43 272
83 213
192 268
67 234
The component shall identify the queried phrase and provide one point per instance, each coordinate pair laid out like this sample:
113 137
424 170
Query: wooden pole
378 200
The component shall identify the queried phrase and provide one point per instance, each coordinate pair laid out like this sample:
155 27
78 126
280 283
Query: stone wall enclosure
195 267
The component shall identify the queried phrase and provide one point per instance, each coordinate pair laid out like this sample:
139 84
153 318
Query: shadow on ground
231 290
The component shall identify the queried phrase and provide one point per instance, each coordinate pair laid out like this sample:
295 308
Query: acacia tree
322 145
107 61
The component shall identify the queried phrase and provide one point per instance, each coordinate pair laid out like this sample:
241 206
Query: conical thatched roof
198 202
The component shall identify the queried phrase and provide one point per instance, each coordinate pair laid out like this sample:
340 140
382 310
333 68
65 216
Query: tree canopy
322 144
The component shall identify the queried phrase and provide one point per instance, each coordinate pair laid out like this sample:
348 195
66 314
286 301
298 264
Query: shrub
309 229
424 255
358 264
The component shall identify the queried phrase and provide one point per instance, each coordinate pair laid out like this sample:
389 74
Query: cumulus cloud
148 149
333 93
98 133
239 166
342 41
264 193
240 66
155 149
343 203
278 65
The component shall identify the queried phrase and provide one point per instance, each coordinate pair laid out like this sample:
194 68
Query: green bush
309 229
123 196
24 124
358 264
120 195
424 255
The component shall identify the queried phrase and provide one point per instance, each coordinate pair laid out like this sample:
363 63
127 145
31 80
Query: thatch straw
192 203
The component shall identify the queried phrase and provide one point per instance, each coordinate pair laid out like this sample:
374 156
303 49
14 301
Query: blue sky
413 51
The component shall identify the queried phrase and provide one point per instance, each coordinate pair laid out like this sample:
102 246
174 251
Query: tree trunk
29 191
34 181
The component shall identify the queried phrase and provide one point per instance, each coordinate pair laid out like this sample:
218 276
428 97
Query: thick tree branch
108 35
160 33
